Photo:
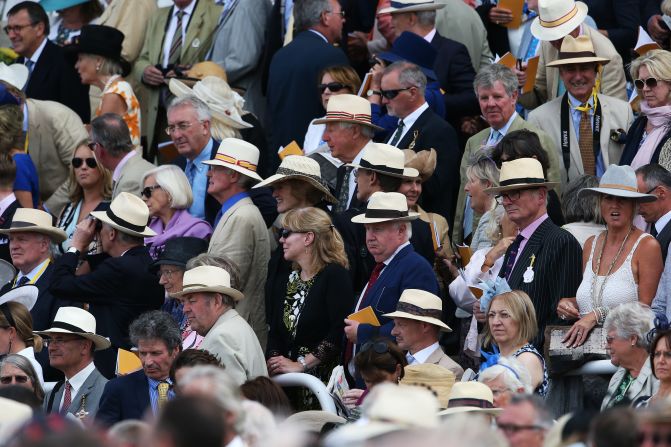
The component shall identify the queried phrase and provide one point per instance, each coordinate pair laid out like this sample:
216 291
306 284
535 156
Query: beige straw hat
34 221
386 207
208 278
128 214
238 155
301 168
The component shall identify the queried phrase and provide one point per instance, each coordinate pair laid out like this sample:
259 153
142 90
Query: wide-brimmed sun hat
557 18
424 161
348 108
15 74
420 305
26 294
128 214
238 155
385 159
208 278
435 378
522 173
471 397
386 207
300 168
57 5
34 221
620 181
577 51
402 6
75 320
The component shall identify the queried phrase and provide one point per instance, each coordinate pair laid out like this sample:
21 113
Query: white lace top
620 287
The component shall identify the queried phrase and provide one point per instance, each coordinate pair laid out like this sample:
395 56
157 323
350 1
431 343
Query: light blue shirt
199 182
576 115
153 392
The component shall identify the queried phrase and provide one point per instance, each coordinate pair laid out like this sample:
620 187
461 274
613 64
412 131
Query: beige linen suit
476 145
233 341
613 82
438 357
131 18
615 113
241 236
130 179
460 22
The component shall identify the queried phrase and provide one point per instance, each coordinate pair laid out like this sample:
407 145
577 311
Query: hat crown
554 10
130 209
520 171
391 403
206 276
347 104
181 249
619 177
237 152
414 48
383 155
33 216
393 201
77 317
14 74
420 299
201 70
299 164
580 45
471 390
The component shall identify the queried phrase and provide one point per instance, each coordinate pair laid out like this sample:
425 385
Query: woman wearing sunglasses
90 190
17 370
648 139
168 196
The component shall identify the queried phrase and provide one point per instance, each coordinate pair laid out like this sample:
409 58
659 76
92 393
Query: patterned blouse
542 389
116 85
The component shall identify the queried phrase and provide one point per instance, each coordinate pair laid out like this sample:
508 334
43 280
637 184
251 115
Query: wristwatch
372 92
301 360
73 250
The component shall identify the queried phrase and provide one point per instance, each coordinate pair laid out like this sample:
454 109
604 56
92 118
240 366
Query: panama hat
128 214
238 155
300 168
386 207
471 397
577 51
34 221
521 174
57 5
424 161
385 159
401 6
179 251
208 278
557 18
25 294
15 74
420 305
435 378
313 420
75 320
347 108
619 181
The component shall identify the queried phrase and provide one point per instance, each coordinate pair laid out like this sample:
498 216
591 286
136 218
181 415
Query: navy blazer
5 223
664 238
125 397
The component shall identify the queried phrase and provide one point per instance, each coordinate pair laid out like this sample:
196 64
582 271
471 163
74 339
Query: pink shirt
527 232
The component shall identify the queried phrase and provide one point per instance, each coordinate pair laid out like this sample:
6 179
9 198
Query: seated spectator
189 421
130 433
581 211
17 370
189 358
8 202
505 378
653 424
72 16
267 392
525 421
90 189
168 196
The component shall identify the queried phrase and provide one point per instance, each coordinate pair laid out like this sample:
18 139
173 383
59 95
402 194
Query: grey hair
489 74
366 131
408 227
426 18
259 424
308 13
128 432
111 132
514 374
156 324
631 319
217 261
409 75
173 181
581 207
202 109
21 362
216 382
654 175
543 417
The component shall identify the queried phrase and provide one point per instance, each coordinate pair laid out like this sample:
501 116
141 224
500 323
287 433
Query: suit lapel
193 30
413 134
531 248
85 390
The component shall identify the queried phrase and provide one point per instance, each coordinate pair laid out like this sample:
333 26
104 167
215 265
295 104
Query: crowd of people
364 197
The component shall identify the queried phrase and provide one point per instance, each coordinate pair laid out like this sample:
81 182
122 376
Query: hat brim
355 433
57 5
16 75
26 295
638 196
458 410
543 33
99 342
276 178
408 173
235 294
418 8
578 60
393 57
55 234
251 174
520 186
102 216
156 264
342 120
362 219
434 321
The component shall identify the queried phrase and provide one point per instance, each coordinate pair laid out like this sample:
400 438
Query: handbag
560 359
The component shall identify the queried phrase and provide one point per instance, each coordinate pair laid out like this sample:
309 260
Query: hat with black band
386 207
128 214
420 305
76 321
523 173
386 160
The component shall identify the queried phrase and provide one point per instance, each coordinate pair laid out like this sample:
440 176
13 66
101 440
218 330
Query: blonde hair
521 311
11 127
329 247
76 192
658 63
23 324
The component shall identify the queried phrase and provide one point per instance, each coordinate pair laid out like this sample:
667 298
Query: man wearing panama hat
587 119
119 286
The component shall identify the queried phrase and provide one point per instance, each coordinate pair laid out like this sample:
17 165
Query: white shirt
122 163
409 120
29 353
662 221
31 274
76 382
422 355
236 442
172 27
491 141
4 203
429 37
36 55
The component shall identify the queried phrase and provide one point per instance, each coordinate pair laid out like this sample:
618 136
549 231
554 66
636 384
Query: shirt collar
36 55
504 130
187 11
662 221
122 163
77 381
576 103
409 120
203 156
34 271
4 203
424 354
429 37
533 226
153 383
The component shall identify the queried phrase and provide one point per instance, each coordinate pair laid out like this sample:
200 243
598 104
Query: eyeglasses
652 189
512 196
379 347
17 28
332 86
58 341
512 429
391 94
285 233
167 273
341 13
147 191
90 162
650 82
655 438
6 380
183 126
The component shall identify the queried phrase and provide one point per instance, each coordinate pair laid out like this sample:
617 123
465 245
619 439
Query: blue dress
26 177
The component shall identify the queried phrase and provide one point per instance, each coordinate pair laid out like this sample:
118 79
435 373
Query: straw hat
313 420
420 305
577 51
238 155
386 207
471 397
401 6
75 320
385 159
435 377
520 174
208 278
557 18
128 214
620 181
15 74
300 168
206 68
348 109
25 294
424 161
35 221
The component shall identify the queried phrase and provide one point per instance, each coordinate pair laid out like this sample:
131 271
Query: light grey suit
130 179
644 385
86 399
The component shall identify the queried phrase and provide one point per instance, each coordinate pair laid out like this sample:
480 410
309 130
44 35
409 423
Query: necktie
585 143
495 138
343 197
23 280
67 397
512 256
397 135
190 172
176 46
653 230
162 388
410 358
30 65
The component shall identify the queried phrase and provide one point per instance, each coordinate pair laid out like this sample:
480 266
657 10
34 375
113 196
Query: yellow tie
162 393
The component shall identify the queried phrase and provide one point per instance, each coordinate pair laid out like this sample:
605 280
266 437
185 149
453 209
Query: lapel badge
528 275
196 43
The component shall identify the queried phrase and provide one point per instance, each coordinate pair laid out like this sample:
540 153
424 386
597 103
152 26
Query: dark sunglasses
391 94
285 233
650 82
146 192
6 380
379 347
656 438
90 162
332 86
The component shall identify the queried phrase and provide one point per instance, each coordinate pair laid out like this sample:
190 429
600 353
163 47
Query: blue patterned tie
512 256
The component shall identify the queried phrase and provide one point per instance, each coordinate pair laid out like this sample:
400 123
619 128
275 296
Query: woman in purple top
168 195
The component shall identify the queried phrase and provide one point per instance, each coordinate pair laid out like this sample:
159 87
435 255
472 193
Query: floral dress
116 85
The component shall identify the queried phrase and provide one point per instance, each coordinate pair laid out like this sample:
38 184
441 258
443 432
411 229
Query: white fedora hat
348 109
577 51
471 397
300 168
385 159
15 74
128 214
386 207
238 155
75 320
557 18
208 278
521 174
620 181
401 6
26 295
34 221
420 305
